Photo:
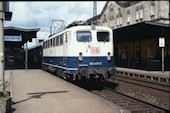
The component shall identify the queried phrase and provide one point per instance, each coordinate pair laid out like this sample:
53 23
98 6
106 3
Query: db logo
95 50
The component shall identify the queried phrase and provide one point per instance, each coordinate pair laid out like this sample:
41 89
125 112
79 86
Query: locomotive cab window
103 36
84 36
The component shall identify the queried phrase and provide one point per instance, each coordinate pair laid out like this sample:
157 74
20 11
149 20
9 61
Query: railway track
134 94
111 92
153 93
108 92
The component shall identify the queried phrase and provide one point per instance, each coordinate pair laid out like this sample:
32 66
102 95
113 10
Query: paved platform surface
36 91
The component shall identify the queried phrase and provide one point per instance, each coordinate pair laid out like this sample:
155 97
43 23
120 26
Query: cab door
65 49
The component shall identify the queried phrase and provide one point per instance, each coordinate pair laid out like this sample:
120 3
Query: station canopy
155 28
17 37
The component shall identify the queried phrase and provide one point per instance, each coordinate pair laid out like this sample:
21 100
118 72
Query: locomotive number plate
95 50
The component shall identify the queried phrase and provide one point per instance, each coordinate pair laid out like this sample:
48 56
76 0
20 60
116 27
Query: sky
30 15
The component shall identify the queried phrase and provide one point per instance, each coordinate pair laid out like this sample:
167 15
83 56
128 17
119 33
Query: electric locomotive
80 51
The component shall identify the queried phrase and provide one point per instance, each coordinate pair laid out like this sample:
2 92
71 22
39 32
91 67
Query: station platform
37 91
165 74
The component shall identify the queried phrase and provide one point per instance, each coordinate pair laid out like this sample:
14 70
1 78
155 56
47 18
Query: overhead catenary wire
67 16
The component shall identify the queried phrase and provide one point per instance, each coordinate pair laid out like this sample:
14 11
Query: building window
105 24
128 17
111 8
141 13
152 10
104 21
117 21
112 22
120 20
137 14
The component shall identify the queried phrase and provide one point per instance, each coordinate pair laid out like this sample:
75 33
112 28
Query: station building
137 27
14 39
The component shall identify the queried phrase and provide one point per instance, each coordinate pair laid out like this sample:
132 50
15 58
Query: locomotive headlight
108 56
80 58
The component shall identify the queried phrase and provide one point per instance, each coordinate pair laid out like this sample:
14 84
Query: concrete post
1 48
163 59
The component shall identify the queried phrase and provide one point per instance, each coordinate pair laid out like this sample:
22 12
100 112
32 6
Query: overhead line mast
94 13
95 9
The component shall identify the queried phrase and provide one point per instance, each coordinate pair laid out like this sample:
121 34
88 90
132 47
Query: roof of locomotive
80 27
